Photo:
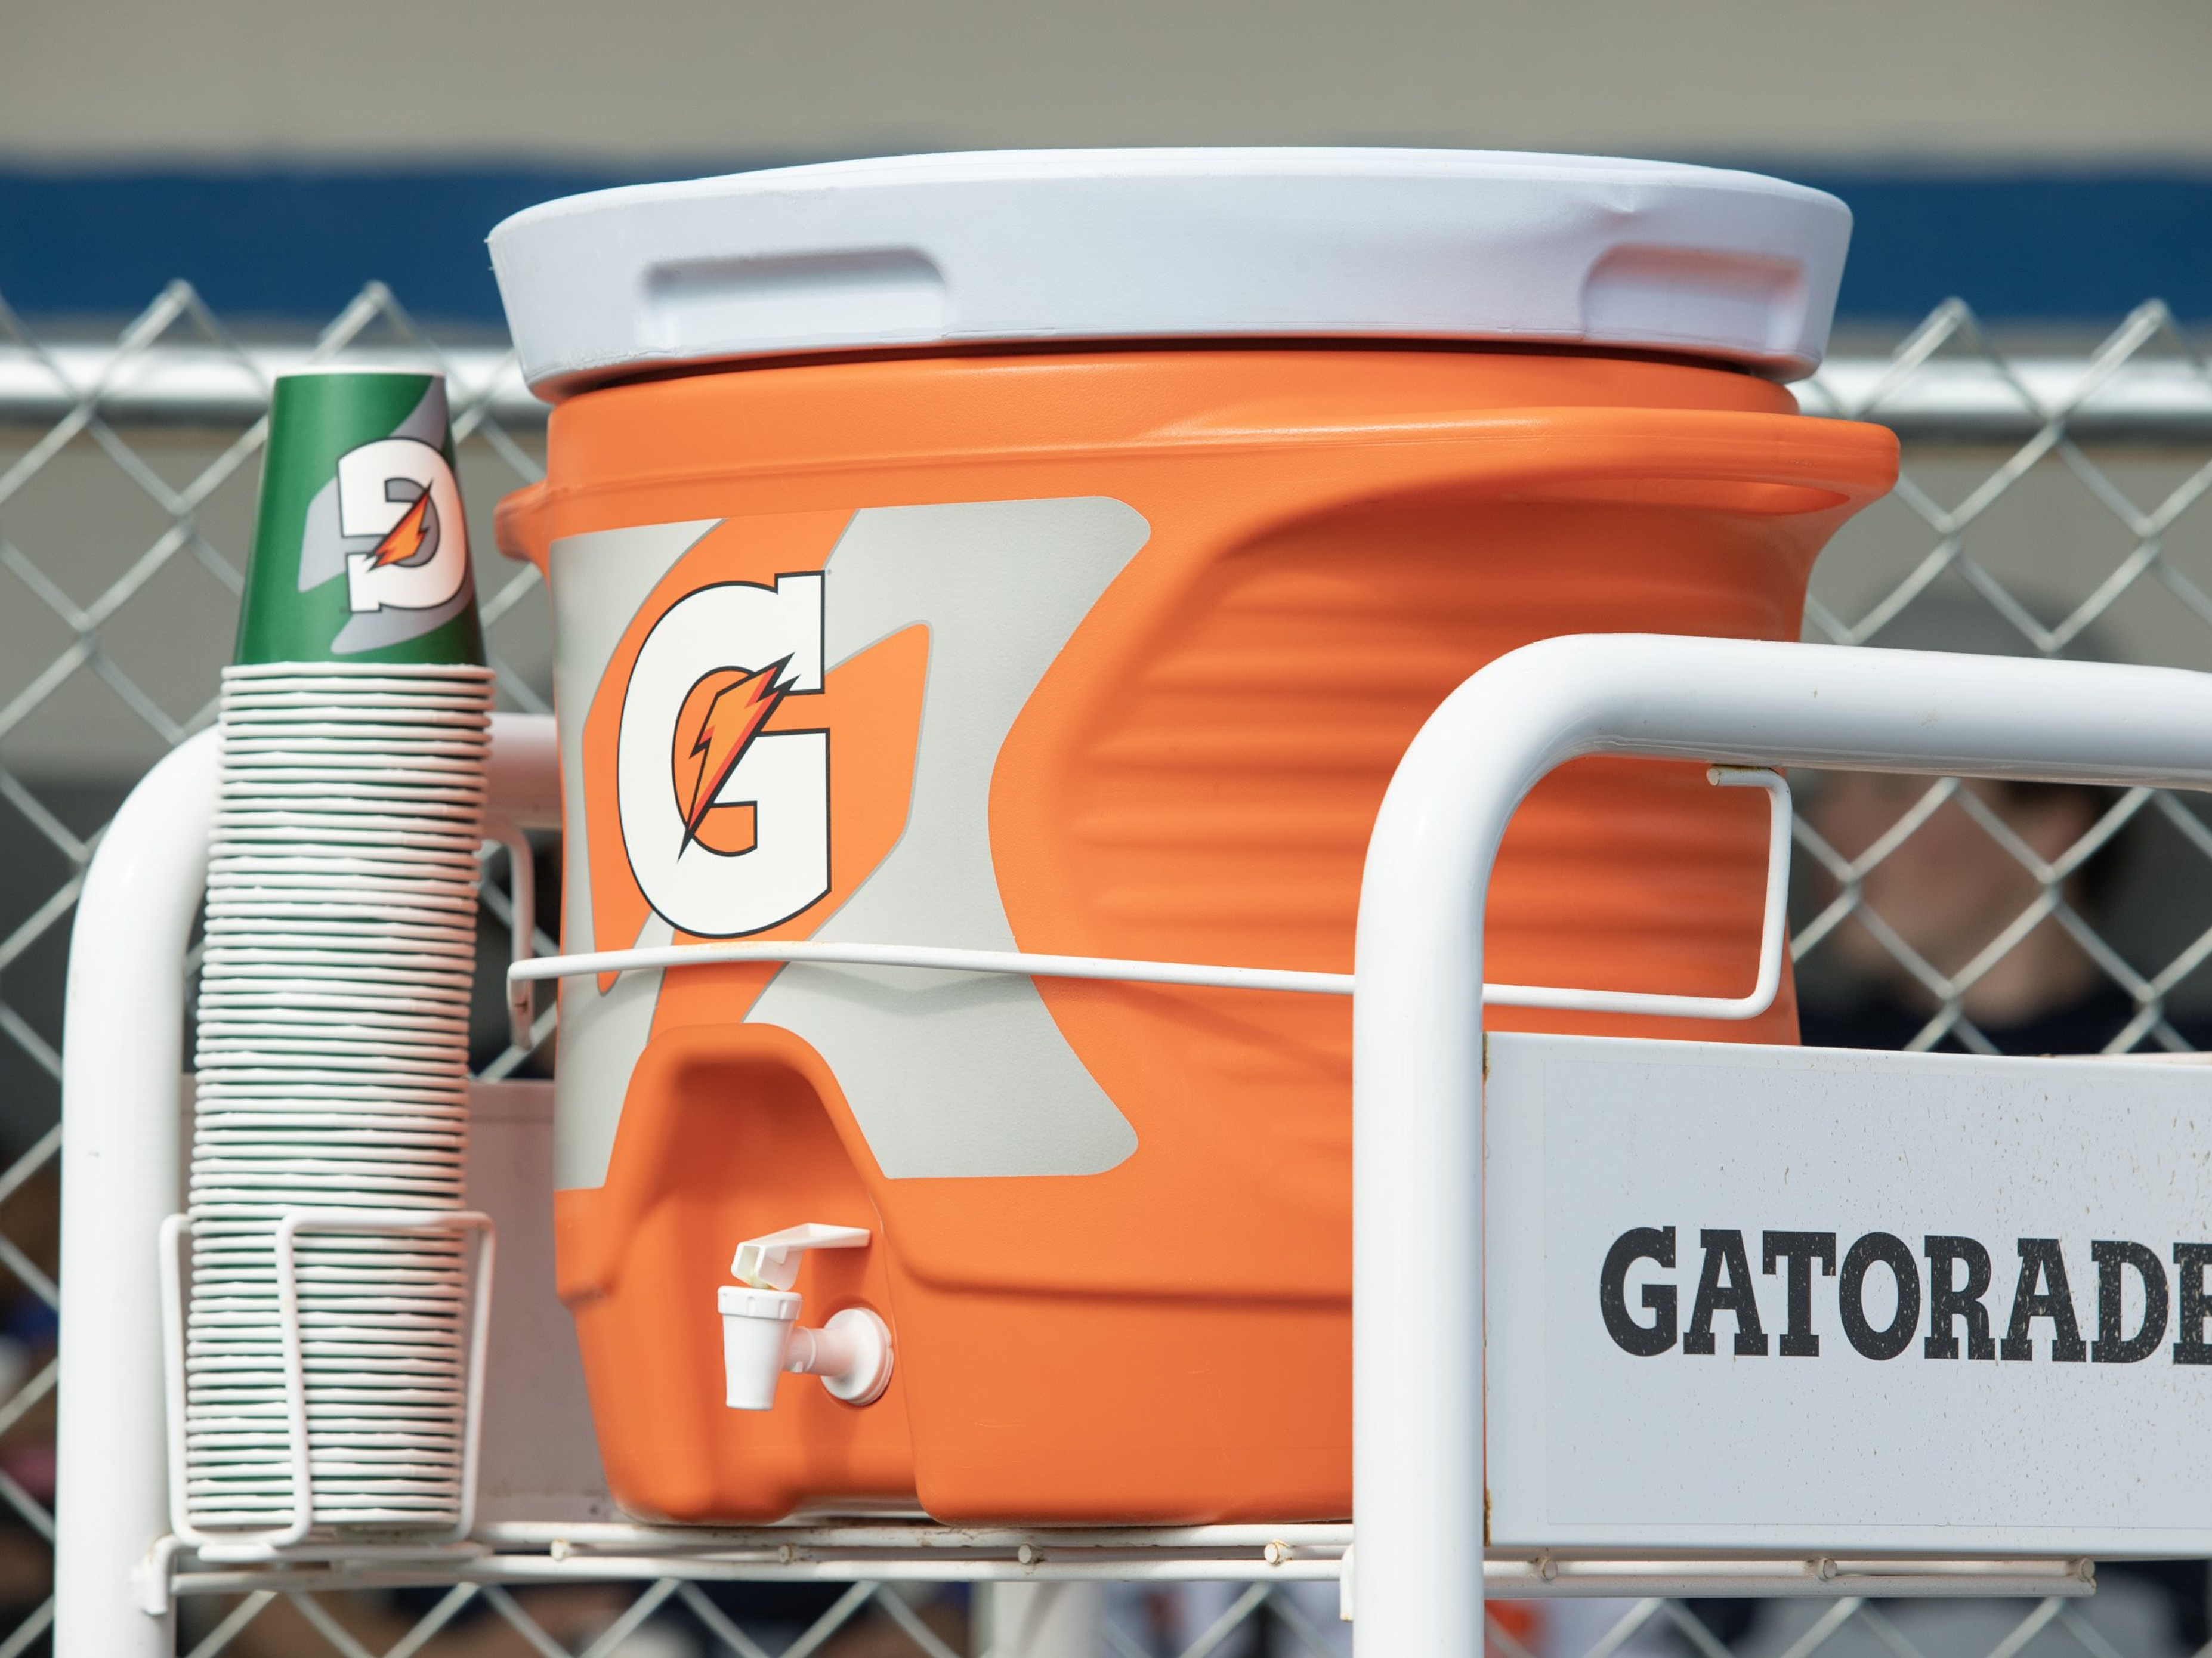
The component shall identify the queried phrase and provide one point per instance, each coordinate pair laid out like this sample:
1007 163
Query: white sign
1744 1298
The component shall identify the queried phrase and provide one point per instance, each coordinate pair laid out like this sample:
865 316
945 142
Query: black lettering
1948 1302
2112 1255
1850 1294
2042 1262
1638 1243
1724 1254
2189 1262
1801 1250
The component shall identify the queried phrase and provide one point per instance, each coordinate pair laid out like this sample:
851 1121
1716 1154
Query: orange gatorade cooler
1055 553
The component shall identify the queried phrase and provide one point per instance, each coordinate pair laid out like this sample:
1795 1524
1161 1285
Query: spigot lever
772 1262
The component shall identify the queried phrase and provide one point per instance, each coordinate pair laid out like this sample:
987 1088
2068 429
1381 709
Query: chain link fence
2050 506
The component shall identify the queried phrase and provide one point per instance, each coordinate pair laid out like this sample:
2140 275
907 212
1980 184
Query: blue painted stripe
2054 248
294 246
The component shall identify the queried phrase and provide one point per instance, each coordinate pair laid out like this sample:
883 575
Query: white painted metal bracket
1418 1212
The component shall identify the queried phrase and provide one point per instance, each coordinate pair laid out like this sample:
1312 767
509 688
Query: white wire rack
1421 1490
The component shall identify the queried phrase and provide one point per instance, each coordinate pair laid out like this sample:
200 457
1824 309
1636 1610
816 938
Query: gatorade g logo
387 521
401 492
727 823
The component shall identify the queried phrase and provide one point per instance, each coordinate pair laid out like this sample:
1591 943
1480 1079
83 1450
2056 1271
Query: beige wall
431 79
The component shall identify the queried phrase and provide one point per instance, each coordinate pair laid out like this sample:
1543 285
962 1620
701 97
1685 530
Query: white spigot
762 1337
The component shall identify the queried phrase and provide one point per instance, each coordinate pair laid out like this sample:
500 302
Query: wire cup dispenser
294 1538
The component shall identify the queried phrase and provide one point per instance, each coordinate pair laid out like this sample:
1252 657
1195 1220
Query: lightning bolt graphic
733 720
405 539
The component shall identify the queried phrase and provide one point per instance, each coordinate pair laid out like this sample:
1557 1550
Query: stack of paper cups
334 1004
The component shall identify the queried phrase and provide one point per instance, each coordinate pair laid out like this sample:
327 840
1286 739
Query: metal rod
122 1175
934 956
625 1537
1512 1579
1966 401
1766 983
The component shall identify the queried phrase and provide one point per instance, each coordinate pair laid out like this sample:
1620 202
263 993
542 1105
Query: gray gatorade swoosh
951 1074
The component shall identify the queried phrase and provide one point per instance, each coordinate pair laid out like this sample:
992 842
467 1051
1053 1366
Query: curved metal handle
1773 944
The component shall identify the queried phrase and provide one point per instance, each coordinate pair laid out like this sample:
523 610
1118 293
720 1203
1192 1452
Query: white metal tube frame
123 1174
1418 1480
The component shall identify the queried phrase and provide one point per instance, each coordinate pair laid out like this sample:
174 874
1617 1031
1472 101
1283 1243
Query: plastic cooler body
1117 649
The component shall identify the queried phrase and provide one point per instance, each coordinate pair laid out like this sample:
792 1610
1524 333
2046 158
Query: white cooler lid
1167 244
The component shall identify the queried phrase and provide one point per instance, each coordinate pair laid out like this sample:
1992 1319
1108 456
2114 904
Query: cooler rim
1064 245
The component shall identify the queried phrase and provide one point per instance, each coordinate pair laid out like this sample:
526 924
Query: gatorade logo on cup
401 492
360 552
726 823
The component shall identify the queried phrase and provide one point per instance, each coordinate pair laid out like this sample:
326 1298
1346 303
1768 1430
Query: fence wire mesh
2030 520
